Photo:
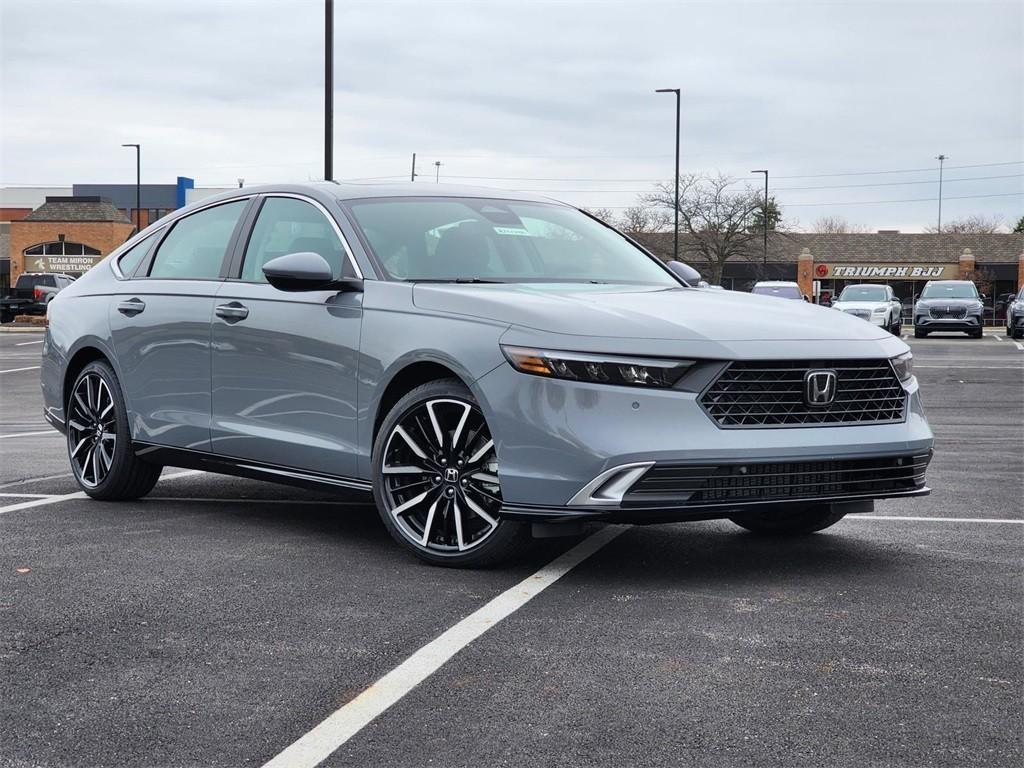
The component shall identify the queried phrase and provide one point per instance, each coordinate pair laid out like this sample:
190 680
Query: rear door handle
232 312
131 307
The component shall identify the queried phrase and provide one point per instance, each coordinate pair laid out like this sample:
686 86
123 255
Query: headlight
879 310
600 369
904 366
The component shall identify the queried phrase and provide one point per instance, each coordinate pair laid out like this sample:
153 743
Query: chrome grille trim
948 313
770 394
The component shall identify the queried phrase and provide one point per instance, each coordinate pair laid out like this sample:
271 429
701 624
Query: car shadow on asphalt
710 553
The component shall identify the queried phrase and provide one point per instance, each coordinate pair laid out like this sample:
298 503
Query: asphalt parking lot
219 621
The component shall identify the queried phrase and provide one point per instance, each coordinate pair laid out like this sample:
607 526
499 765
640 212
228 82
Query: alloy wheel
92 429
440 476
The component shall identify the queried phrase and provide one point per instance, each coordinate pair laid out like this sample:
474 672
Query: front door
285 364
160 325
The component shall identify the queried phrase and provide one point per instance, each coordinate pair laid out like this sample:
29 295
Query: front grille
771 394
689 485
863 314
948 313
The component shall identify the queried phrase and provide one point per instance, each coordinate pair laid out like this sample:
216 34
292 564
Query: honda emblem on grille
819 387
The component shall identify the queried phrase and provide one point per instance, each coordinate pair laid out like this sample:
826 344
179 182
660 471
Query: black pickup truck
32 293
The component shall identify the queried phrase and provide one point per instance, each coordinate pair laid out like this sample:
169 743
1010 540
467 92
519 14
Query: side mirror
306 271
688 274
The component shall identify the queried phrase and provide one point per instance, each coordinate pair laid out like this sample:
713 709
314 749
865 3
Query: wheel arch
406 378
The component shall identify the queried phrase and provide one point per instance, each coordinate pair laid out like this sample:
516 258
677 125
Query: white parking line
347 721
15 370
937 519
27 495
79 494
26 343
31 434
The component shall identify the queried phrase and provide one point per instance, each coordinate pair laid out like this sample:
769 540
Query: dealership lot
220 620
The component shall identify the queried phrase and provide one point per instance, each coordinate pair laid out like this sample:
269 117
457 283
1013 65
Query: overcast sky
523 91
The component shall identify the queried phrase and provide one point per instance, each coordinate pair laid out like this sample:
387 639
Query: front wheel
789 522
99 442
436 479
919 334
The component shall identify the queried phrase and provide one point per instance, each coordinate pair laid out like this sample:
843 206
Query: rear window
31 281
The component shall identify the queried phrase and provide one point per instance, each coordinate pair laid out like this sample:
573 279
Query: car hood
644 312
948 302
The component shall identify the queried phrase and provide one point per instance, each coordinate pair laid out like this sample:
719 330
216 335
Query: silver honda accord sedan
487 364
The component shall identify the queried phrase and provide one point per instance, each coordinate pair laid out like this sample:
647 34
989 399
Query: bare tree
715 220
640 219
604 214
837 225
971 225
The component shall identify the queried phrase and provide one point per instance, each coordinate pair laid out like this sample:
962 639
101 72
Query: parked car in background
1015 316
778 288
949 305
875 303
32 293
481 362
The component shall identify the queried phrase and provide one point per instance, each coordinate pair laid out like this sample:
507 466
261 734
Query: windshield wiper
456 280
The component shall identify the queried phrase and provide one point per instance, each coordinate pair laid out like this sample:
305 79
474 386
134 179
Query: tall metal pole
675 206
941 159
764 216
412 175
138 185
437 171
328 90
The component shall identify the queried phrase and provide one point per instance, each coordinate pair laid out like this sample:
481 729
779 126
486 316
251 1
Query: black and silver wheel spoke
440 476
92 430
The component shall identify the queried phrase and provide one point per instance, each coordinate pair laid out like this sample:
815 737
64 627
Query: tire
895 327
449 514
1016 333
798 522
919 334
976 334
99 442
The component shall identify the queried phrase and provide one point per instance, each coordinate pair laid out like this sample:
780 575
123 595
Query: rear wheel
794 522
99 443
436 480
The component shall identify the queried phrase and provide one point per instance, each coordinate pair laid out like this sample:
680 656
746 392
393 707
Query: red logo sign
821 270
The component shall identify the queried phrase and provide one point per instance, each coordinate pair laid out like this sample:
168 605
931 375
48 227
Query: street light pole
412 175
138 185
675 202
941 159
328 90
437 171
764 214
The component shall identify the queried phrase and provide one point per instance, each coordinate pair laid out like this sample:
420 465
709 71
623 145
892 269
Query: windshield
949 291
863 293
782 291
447 239
31 281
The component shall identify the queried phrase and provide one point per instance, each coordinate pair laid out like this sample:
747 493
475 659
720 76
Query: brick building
66 234
826 263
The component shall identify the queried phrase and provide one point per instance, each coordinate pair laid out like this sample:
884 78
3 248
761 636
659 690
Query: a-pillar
1020 272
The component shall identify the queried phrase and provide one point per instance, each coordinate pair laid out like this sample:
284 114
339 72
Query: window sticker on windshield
517 231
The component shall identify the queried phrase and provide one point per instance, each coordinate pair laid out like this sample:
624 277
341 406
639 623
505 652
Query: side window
195 246
286 225
131 258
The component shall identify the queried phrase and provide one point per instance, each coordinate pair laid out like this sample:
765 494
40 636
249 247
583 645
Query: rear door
160 325
285 364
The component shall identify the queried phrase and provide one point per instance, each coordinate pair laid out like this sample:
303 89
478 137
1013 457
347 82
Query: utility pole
437 171
764 214
675 234
328 90
412 175
941 159
138 185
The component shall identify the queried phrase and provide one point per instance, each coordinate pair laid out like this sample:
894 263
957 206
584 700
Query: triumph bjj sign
887 271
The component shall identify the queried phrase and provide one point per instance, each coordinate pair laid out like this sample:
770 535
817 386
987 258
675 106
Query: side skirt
255 470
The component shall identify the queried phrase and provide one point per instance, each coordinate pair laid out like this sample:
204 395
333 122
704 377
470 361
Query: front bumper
968 323
555 437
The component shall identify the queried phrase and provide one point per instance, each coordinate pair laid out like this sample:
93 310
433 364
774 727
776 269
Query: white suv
875 303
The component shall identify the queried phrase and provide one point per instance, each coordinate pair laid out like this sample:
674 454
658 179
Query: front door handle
232 312
131 307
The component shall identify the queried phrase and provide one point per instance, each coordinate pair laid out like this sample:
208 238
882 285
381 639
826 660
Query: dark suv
32 293
949 305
